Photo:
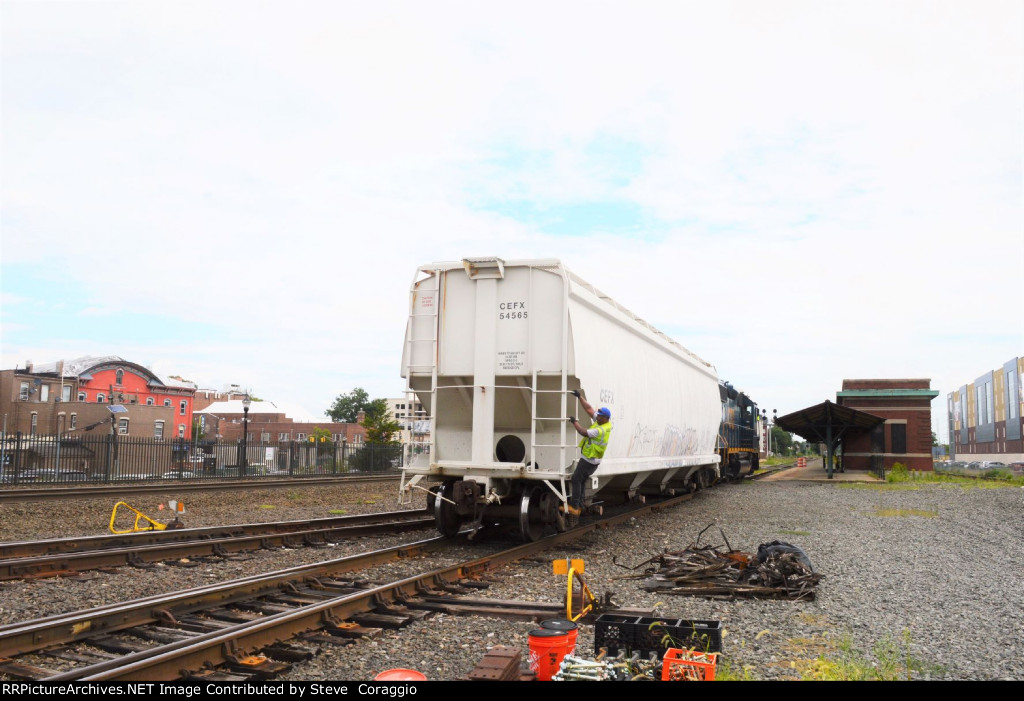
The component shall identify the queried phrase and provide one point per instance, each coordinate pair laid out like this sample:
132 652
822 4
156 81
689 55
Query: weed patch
879 486
889 660
988 480
267 506
794 532
337 512
725 672
888 513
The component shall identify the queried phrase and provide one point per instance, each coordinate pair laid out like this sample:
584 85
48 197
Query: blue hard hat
605 412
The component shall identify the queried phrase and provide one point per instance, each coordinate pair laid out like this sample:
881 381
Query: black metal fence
877 467
114 458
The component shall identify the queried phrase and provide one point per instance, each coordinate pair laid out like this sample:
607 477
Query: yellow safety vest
595 447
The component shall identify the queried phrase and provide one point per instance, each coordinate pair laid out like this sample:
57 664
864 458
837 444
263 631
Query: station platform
814 472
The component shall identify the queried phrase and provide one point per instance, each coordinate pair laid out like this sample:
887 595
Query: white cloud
279 170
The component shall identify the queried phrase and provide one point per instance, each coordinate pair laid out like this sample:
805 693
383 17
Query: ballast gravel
932 575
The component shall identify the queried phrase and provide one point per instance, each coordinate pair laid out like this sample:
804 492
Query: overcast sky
240 192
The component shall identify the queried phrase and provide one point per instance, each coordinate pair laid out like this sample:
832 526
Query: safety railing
42 459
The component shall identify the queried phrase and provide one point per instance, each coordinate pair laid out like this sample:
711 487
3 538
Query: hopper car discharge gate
490 360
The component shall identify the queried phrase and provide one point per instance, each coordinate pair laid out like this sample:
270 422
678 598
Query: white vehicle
495 347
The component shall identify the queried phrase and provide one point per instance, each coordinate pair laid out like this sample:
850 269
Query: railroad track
233 630
69 556
16 494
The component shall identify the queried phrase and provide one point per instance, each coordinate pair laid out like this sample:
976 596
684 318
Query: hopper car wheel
446 518
531 514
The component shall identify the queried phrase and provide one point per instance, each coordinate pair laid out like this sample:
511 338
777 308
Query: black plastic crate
656 634
614 632
648 634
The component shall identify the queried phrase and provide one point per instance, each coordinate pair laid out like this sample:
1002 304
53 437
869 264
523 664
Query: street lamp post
245 434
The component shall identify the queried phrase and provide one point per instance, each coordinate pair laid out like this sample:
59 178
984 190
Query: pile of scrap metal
778 571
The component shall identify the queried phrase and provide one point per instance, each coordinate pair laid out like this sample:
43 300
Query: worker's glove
571 418
575 393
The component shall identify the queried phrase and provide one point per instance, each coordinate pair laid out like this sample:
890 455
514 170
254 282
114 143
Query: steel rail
217 648
62 564
15 494
31 548
30 636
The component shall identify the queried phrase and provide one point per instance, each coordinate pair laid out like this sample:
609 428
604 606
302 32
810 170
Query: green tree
347 406
379 424
782 441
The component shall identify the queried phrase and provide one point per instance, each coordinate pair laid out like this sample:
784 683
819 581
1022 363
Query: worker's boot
569 509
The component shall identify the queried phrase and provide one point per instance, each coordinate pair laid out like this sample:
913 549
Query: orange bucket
547 648
400 675
569 627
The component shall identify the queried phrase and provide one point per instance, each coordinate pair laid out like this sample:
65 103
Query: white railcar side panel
493 334
665 405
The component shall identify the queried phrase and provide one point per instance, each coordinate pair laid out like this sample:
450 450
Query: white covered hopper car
494 349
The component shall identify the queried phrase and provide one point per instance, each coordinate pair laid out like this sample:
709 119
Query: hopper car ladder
412 368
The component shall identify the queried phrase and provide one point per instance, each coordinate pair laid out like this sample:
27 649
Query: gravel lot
937 567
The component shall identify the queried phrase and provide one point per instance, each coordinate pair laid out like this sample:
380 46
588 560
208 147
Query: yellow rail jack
176 506
579 600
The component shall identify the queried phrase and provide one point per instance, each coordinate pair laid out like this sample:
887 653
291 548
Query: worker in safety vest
592 445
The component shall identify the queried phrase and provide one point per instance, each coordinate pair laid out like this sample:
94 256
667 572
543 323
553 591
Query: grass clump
899 474
725 672
888 513
890 660
794 532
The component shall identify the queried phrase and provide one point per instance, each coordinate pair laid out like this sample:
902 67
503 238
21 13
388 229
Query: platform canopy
827 423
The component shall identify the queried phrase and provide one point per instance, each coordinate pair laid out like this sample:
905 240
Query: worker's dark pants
584 469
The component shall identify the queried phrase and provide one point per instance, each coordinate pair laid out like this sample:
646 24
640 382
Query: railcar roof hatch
483 268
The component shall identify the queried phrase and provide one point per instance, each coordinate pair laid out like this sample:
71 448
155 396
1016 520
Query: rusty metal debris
777 571
632 668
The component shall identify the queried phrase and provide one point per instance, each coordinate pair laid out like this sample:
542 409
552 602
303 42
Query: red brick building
906 435
269 424
64 396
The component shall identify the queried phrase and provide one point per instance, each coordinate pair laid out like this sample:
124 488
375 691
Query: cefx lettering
512 310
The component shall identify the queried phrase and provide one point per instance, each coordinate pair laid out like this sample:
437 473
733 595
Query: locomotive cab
739 439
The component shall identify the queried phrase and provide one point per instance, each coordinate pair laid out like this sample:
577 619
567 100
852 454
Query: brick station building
906 435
